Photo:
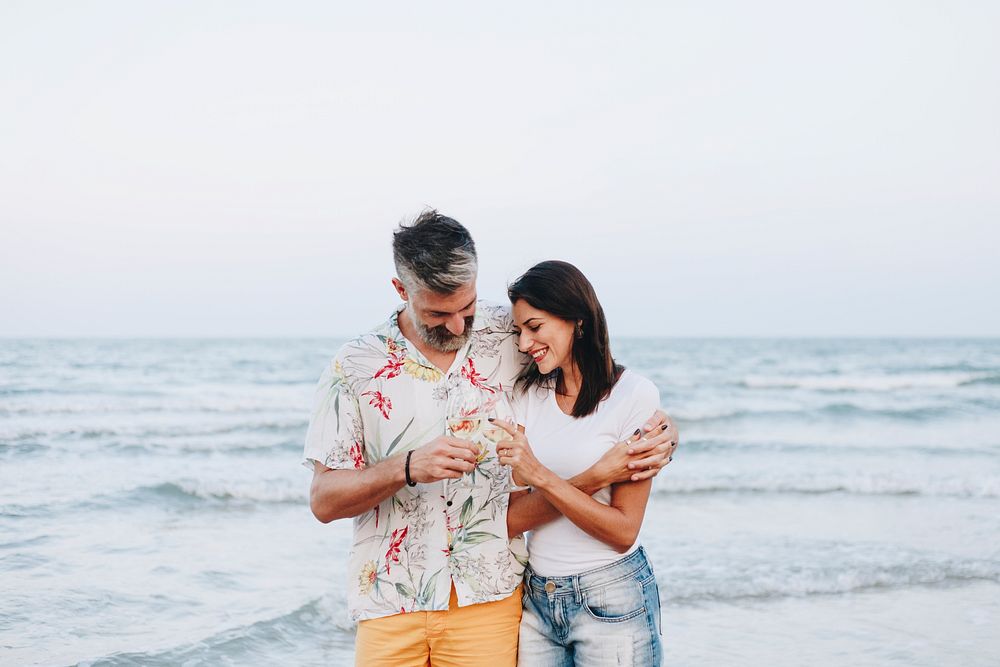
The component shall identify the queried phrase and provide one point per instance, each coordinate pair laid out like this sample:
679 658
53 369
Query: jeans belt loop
577 595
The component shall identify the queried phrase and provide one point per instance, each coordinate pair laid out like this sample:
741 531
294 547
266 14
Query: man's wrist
396 468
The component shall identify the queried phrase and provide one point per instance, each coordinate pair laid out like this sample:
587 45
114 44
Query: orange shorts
478 635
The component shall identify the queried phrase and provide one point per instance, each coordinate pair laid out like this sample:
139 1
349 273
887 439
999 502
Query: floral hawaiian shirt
381 396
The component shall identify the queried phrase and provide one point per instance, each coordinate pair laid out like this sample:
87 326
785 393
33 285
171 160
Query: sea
832 502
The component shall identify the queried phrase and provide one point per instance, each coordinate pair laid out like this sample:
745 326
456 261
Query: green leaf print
466 513
471 539
399 437
428 592
405 591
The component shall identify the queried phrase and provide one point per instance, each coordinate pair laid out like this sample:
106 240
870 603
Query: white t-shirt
567 446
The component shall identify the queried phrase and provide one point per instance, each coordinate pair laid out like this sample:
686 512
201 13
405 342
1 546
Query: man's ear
400 289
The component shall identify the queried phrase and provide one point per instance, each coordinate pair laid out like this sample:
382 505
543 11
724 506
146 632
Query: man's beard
439 337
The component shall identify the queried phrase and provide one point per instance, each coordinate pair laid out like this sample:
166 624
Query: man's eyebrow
465 307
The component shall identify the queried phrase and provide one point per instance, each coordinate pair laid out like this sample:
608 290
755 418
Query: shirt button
550 587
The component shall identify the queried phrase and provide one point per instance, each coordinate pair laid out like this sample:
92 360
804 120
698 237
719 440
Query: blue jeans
606 616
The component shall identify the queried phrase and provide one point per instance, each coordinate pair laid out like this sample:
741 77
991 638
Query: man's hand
653 449
442 458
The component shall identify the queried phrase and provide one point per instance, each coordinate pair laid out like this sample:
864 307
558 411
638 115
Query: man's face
443 321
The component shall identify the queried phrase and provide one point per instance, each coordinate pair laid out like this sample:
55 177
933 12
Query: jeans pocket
616 602
652 595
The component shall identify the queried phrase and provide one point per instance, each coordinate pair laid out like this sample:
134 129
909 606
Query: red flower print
357 456
394 361
379 402
470 373
393 367
395 540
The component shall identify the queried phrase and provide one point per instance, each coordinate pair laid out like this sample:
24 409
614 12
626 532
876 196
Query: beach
833 501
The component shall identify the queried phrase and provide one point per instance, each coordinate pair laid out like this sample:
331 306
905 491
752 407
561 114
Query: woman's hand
642 455
516 453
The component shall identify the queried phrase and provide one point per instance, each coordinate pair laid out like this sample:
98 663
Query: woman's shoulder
634 386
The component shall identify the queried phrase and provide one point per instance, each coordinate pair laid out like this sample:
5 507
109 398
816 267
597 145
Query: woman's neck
571 380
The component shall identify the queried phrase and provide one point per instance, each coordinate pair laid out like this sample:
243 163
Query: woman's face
547 338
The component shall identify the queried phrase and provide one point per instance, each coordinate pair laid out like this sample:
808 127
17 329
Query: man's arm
339 494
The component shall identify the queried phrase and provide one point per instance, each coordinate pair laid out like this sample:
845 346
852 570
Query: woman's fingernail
636 432
665 427
490 419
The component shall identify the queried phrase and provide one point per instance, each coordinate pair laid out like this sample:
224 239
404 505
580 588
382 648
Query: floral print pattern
380 396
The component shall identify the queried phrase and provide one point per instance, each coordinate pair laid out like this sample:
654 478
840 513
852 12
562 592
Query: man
432 576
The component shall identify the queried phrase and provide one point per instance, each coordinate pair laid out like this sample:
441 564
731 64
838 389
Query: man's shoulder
373 342
493 317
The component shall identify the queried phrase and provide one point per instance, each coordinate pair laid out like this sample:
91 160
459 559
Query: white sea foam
867 383
982 485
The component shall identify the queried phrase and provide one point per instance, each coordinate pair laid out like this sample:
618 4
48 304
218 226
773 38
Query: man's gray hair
434 252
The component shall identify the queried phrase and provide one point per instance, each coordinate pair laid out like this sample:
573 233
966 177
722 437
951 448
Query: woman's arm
527 511
647 452
617 524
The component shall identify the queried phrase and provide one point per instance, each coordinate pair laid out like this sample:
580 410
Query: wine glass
497 435
467 412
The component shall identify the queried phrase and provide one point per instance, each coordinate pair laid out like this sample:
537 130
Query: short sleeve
643 401
335 437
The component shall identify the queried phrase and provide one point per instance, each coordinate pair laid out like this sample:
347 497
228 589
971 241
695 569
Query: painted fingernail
636 432
670 459
665 427
490 419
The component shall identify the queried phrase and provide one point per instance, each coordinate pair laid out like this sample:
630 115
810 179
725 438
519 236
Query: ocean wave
197 492
740 446
266 641
840 410
176 495
17 449
164 431
985 380
862 485
765 582
864 383
210 447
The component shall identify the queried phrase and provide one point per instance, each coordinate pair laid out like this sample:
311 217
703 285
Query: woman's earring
579 330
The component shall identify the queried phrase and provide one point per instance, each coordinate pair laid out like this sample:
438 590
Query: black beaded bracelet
409 481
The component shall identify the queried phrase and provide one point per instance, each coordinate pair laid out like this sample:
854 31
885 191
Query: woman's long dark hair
561 289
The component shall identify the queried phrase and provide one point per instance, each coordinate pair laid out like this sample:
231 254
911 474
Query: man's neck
442 360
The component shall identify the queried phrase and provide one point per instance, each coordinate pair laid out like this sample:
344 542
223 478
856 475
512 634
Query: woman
590 596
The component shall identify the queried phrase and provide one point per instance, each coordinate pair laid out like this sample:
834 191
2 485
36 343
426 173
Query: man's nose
456 325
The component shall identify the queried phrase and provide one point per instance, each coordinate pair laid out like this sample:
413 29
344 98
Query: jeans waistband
635 564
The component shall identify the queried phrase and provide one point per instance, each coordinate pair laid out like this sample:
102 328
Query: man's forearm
532 510
339 494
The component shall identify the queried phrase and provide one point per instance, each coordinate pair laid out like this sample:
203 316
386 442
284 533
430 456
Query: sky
715 168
